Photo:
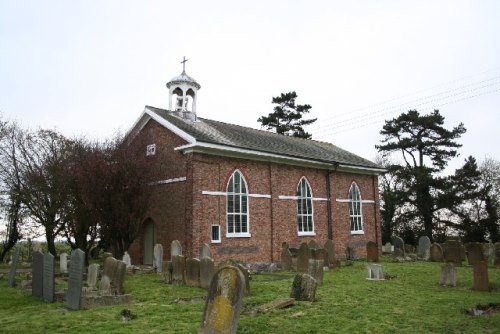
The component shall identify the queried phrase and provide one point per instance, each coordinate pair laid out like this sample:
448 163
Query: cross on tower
183 62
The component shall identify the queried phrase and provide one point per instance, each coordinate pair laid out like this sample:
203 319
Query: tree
426 147
490 179
287 117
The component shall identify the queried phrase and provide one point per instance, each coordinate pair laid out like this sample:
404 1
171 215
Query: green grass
346 303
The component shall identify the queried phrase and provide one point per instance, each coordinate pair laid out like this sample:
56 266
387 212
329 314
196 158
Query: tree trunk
50 237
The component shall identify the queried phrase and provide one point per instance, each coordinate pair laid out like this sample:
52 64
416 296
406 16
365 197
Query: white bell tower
183 91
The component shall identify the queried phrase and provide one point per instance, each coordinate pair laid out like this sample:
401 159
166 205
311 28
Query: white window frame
215 241
150 149
242 201
307 201
355 210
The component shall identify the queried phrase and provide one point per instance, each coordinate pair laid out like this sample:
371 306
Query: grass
346 303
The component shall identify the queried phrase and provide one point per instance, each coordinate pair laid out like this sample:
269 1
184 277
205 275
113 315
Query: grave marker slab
37 275
313 244
481 281
127 260
178 269
48 278
452 252
205 251
193 272
375 272
304 287
224 302
207 269
436 253
497 255
303 257
424 248
474 251
316 270
158 257
330 260
63 263
448 275
92 275
175 248
73 297
286 259
11 282
371 251
399 246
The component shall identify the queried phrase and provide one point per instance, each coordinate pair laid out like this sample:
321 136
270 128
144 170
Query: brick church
245 191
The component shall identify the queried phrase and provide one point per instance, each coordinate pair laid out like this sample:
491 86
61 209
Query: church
244 191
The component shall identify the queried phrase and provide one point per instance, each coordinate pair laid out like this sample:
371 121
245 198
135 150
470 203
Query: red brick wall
182 212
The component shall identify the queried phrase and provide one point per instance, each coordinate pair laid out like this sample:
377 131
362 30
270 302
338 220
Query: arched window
355 212
305 223
237 206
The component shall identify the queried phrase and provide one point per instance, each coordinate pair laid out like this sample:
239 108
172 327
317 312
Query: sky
88 68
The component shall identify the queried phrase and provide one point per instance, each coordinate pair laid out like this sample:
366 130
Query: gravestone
350 254
295 252
63 263
11 282
224 302
375 272
316 270
92 275
37 275
399 246
178 269
424 248
330 260
104 285
474 251
303 258
286 259
481 282
37 247
48 278
175 248
74 294
452 252
489 252
436 253
118 277
205 251
371 251
207 269
497 255
127 260
244 270
304 287
448 275
387 248
313 244
193 272
158 257
167 272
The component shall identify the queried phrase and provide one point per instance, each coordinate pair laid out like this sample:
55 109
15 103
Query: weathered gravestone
304 287
92 275
115 270
474 251
316 263
375 272
127 260
313 244
207 269
424 248
205 251
481 281
244 270
497 255
75 280
295 253
387 248
448 275
167 272
286 258
193 272
48 278
158 257
104 285
399 246
330 259
303 258
489 252
350 255
224 302
11 282
63 263
371 251
452 252
436 253
175 248
178 269
37 275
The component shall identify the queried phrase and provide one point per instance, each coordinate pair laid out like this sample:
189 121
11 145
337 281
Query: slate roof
214 132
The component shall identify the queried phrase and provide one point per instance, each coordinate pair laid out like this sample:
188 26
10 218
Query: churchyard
409 300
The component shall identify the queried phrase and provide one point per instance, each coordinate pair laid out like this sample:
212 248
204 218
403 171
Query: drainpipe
272 211
329 202
375 189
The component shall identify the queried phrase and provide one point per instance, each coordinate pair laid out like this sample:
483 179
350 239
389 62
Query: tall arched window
304 208
355 212
237 206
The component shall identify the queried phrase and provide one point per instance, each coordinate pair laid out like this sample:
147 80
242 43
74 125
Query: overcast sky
89 67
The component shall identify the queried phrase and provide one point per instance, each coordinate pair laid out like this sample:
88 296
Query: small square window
216 234
151 149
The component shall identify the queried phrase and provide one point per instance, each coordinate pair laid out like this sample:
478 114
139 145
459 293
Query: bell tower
183 91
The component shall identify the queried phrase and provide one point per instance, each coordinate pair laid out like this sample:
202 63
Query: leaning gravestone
436 253
175 248
207 269
37 275
73 297
424 248
178 269
193 272
304 287
115 271
205 251
48 278
286 259
13 268
224 302
481 281
474 251
63 263
303 258
448 275
371 251
158 257
375 272
452 252
330 260
399 246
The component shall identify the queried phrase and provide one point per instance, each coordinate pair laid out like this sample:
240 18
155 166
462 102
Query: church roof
239 137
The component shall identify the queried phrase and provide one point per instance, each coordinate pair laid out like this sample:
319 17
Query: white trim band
364 201
223 193
297 197
167 181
